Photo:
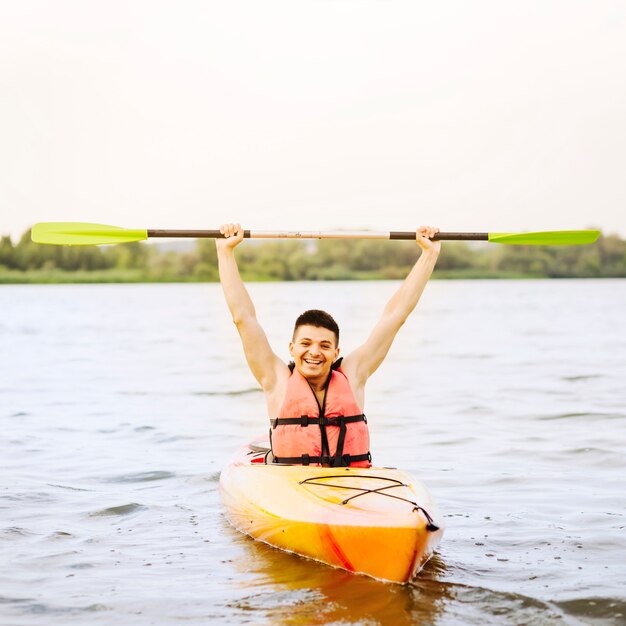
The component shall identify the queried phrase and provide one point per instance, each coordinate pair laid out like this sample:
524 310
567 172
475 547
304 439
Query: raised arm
262 361
365 360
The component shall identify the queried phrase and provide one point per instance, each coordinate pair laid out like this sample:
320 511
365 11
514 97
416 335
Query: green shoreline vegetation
27 262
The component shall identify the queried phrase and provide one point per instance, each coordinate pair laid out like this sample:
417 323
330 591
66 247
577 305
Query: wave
122 510
231 393
591 415
140 477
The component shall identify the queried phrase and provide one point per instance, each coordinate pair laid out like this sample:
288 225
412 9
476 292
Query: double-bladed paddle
79 234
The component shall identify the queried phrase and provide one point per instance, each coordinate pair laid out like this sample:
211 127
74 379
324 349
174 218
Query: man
316 404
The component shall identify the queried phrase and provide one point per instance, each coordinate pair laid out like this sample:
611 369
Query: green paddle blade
79 234
550 238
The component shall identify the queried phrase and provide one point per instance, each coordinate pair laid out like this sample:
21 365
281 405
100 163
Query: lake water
119 404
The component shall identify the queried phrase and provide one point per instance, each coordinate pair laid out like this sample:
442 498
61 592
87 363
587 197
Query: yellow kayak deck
376 521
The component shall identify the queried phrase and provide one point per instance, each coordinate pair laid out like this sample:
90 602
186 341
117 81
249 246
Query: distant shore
60 277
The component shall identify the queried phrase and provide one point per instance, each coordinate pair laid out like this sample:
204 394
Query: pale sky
384 114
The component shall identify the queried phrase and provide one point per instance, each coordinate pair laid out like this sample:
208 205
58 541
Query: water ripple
68 487
596 608
140 477
124 509
153 393
592 416
39 608
14 531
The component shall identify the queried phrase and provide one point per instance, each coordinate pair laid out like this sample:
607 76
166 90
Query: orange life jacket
334 434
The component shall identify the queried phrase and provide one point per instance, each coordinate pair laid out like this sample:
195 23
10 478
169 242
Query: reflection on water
288 590
326 595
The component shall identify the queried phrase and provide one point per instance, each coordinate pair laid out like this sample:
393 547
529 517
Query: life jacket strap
304 420
332 461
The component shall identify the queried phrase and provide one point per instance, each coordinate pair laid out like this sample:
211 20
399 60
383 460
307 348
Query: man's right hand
233 236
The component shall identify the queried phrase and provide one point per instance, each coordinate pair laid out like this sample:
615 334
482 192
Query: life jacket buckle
304 421
306 459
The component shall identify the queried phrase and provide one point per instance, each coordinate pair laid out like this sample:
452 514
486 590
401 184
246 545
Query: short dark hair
321 319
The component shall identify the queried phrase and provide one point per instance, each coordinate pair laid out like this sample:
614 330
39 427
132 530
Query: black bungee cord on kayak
261 455
431 526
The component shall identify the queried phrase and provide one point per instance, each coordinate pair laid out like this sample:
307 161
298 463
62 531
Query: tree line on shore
304 260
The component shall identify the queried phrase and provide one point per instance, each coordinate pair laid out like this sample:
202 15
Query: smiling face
314 350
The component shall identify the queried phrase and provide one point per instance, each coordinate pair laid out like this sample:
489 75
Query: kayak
377 521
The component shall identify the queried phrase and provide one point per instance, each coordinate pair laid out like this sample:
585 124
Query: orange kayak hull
376 521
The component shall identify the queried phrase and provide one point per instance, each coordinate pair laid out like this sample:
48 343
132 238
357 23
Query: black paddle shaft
442 236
